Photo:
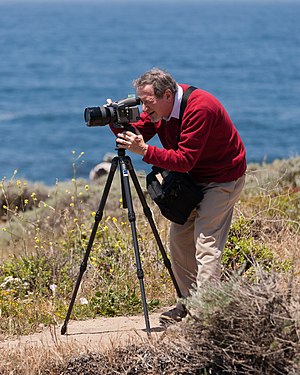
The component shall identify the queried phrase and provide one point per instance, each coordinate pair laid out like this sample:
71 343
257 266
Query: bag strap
183 104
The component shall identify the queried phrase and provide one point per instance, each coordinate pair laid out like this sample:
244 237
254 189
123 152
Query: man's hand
132 142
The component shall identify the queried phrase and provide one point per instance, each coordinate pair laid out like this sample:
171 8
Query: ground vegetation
248 324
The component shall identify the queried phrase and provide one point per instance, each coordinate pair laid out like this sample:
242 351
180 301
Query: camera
118 113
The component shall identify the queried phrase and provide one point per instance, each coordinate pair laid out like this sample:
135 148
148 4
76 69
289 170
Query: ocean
59 57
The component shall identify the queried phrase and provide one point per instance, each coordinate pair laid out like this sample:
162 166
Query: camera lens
98 116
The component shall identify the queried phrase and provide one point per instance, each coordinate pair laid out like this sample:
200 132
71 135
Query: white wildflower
53 287
83 301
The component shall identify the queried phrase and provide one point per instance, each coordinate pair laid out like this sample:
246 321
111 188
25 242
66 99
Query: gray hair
159 79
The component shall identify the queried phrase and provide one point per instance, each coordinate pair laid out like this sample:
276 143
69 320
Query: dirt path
101 332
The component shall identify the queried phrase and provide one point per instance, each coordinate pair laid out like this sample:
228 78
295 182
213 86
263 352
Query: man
211 150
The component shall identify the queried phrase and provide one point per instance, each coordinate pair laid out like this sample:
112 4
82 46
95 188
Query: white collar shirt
176 106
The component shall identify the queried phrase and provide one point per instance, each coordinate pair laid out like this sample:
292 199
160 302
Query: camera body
117 113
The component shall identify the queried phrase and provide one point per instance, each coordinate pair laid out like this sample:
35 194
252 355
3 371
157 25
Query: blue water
56 58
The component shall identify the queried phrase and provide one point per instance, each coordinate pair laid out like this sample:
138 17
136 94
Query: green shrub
243 252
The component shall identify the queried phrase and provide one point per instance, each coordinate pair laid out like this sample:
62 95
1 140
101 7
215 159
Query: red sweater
210 147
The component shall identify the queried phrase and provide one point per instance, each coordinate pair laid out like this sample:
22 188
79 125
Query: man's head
156 89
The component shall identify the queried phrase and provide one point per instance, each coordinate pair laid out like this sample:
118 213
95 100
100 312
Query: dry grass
233 328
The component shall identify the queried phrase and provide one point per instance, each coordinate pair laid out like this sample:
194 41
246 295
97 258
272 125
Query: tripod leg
98 218
124 203
149 216
132 219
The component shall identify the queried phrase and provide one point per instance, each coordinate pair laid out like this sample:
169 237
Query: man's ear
168 94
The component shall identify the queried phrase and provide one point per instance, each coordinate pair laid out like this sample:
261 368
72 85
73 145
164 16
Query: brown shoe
172 316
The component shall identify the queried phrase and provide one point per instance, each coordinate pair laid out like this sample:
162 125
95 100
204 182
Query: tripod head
125 126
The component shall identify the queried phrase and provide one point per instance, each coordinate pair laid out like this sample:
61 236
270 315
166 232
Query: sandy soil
101 332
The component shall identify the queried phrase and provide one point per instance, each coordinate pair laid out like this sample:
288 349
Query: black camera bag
175 193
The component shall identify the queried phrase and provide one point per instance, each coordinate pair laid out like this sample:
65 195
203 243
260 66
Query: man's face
157 108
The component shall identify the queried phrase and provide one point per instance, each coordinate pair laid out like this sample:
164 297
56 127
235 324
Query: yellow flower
33 196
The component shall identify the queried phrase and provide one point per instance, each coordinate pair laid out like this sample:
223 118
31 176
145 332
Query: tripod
125 164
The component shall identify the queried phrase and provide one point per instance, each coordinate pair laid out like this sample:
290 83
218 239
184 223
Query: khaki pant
196 247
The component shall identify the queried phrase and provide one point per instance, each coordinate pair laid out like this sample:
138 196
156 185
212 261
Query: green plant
243 252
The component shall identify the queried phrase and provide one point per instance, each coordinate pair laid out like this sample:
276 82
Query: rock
102 168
